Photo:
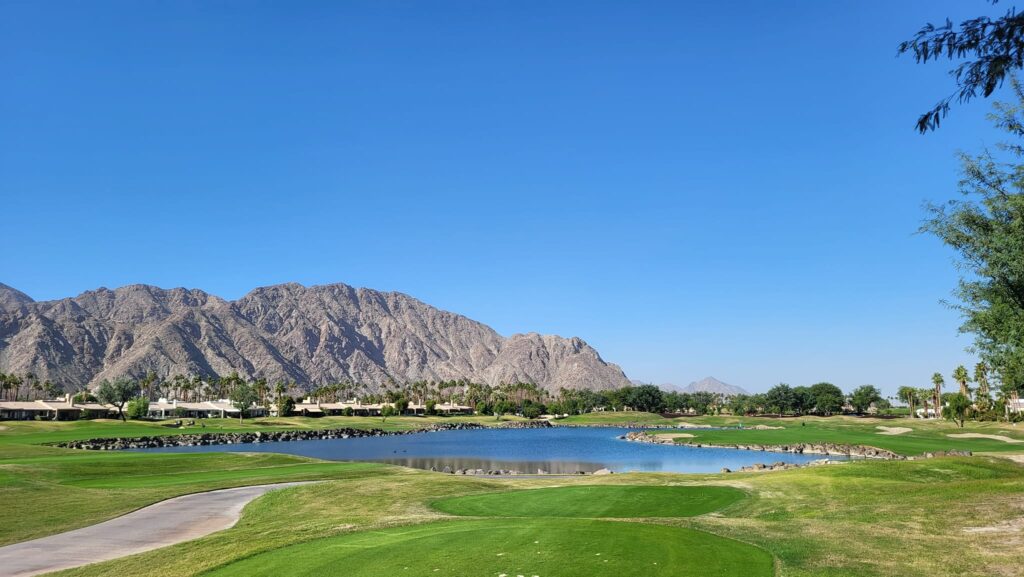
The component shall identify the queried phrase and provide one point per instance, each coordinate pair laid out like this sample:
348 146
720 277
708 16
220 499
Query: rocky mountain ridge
310 335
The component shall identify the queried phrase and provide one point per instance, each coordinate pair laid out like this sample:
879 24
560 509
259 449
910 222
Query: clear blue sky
695 188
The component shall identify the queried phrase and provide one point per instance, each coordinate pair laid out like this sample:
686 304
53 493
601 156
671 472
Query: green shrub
138 408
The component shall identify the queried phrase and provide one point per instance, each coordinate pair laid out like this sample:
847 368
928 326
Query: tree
993 49
532 411
242 397
962 377
909 396
862 397
983 398
937 382
285 404
117 393
385 412
646 398
986 229
803 400
138 408
956 409
779 398
828 398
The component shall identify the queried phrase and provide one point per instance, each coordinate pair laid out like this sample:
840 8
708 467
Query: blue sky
695 188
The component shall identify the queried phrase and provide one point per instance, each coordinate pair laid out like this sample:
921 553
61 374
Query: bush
347 412
531 411
138 408
482 408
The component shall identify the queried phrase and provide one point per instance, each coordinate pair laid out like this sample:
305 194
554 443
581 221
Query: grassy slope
866 519
562 547
594 501
49 490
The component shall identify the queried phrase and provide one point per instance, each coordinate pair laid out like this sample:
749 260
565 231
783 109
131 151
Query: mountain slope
310 335
713 385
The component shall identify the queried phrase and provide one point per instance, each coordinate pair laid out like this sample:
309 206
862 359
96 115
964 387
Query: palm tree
961 376
938 381
981 377
14 382
909 396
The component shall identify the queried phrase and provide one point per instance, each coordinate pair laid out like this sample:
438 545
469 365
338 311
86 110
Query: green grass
950 516
595 501
584 548
927 435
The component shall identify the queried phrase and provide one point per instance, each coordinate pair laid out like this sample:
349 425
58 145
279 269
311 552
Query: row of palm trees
981 396
27 387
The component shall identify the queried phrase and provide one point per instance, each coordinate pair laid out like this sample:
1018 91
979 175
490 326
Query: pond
560 450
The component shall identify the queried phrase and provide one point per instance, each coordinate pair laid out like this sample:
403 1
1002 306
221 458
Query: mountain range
708 385
308 335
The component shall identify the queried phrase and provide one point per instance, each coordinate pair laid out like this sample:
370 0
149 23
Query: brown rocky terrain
310 335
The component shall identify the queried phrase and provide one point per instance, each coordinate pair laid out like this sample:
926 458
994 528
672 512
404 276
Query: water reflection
555 450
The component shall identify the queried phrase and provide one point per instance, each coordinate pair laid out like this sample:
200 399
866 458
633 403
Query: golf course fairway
512 547
594 501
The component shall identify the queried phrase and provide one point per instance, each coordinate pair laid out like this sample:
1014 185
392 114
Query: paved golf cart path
165 523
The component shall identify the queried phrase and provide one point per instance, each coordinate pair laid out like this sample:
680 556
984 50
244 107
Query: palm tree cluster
27 387
978 402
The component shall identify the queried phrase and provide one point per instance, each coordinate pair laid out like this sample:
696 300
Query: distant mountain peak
706 385
713 385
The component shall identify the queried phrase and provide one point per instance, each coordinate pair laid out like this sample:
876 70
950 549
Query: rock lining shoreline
825 449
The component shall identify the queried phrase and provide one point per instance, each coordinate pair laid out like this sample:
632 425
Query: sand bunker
685 425
984 436
669 438
893 430
763 428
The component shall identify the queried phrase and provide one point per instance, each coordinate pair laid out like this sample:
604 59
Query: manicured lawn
926 435
595 501
553 547
950 516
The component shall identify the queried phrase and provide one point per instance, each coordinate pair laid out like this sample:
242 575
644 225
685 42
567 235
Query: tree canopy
991 49
986 229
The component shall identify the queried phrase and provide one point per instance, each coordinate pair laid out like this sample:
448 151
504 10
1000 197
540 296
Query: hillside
310 335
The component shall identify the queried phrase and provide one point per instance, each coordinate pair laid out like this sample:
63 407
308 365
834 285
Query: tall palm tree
962 377
938 381
981 377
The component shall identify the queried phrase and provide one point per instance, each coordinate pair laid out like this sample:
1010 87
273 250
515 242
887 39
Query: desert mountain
310 335
713 385
707 384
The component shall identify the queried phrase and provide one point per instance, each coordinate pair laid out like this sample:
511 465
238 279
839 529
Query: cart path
165 523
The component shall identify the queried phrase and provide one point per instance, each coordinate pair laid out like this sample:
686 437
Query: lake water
556 450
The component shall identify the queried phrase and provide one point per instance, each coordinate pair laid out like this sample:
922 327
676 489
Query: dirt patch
1010 526
984 436
882 430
